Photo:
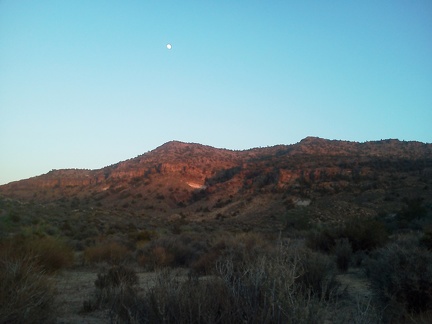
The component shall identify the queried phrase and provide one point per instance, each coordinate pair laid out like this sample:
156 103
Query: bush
49 253
298 219
110 252
52 254
26 295
180 250
269 288
401 277
343 253
115 277
363 235
174 300
241 249
317 275
115 290
322 239
262 290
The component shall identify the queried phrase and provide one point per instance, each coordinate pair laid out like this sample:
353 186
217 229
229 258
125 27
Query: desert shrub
298 219
401 277
240 248
110 252
363 235
321 239
116 291
316 274
160 257
49 253
84 231
343 253
26 294
180 250
174 300
142 235
116 276
52 254
412 210
264 290
268 288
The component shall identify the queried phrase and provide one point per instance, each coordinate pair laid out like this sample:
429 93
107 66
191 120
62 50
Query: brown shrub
53 254
49 253
110 252
180 250
160 257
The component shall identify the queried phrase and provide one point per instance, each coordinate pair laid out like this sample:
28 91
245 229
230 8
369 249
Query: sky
85 84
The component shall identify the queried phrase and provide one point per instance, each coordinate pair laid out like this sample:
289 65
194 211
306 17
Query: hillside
333 178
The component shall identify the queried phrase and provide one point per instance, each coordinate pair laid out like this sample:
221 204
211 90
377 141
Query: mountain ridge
309 145
203 182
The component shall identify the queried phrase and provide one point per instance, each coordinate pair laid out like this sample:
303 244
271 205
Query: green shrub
401 277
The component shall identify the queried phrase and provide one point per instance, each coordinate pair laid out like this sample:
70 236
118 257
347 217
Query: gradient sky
85 84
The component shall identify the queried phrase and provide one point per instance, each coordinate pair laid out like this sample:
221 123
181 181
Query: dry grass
26 294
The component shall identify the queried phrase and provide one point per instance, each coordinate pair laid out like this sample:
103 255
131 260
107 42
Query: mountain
198 182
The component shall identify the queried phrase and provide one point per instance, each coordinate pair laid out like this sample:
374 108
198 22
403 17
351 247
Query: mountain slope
203 182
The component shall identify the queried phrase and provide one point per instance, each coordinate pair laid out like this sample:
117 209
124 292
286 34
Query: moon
169 46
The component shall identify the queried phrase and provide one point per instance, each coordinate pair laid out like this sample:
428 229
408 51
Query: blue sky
84 84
